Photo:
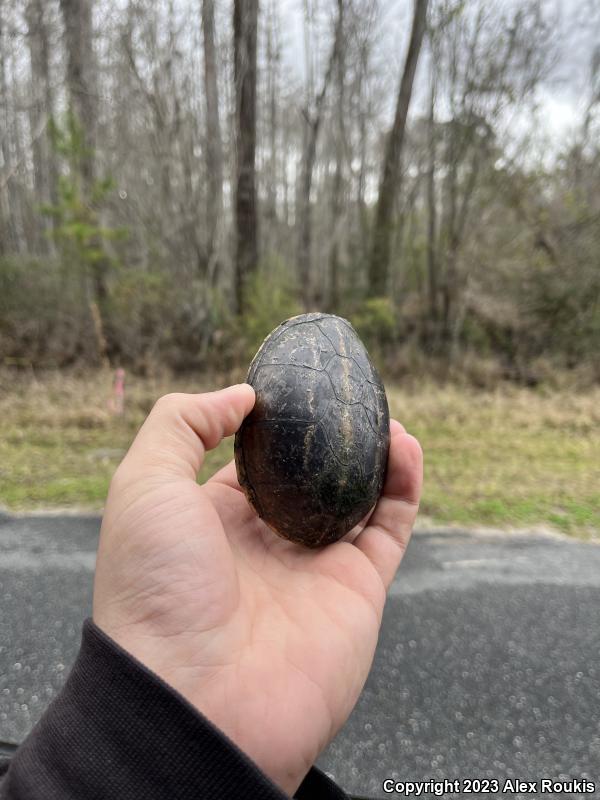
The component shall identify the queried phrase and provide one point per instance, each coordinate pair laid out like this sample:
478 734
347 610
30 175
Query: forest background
178 177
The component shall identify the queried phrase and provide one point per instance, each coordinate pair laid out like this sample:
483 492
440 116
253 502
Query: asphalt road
488 664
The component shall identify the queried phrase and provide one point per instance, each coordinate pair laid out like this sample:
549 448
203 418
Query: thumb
181 427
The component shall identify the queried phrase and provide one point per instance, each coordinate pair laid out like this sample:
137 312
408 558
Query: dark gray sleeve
118 731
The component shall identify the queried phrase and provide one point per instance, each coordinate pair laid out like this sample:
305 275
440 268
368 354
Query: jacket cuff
118 730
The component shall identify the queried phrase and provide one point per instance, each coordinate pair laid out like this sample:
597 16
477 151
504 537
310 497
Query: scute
346 379
288 392
308 347
311 456
343 432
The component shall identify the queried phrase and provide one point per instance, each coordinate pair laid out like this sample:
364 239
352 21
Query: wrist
216 693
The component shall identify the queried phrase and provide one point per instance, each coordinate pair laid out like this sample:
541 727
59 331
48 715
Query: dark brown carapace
311 456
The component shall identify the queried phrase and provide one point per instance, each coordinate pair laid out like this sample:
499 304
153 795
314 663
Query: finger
227 476
386 535
358 528
181 427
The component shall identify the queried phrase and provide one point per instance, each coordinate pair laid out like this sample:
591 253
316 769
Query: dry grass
504 457
508 457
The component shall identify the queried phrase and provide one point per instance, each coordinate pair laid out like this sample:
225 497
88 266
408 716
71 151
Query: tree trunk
8 235
313 124
362 253
432 210
214 148
336 194
390 174
245 22
77 17
82 94
272 176
40 114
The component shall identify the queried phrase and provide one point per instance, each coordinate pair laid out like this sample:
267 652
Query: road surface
488 664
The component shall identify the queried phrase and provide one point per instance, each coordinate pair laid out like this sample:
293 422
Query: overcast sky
560 101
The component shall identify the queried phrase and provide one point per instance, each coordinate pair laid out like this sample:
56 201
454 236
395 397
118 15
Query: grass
509 457
513 457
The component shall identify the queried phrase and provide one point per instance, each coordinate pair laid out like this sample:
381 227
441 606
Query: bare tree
390 173
213 148
272 177
81 74
432 266
338 178
41 113
484 62
83 104
312 125
10 224
6 226
245 23
361 117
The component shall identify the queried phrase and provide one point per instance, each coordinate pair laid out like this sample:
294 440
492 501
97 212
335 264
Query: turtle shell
312 454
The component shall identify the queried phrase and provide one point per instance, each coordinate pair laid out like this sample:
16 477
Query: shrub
42 318
376 323
270 300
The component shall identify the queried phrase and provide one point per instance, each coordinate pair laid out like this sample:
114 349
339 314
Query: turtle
312 454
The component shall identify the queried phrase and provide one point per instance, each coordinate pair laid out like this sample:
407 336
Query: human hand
271 641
